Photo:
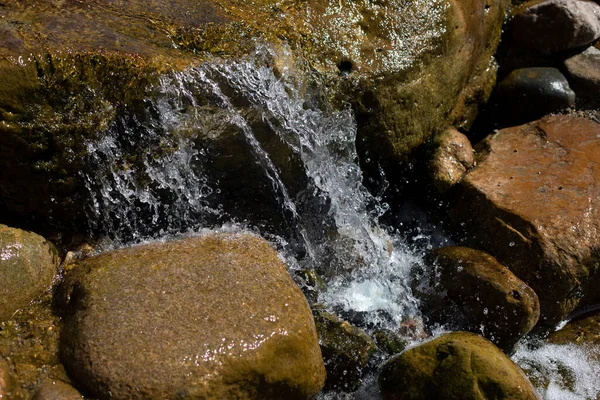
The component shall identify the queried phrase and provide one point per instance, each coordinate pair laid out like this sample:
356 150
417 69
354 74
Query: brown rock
52 389
494 301
557 25
454 366
210 317
583 72
451 159
28 265
3 379
532 202
584 330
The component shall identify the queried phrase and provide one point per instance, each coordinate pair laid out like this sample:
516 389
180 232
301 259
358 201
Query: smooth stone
582 331
492 300
533 203
583 71
557 25
451 159
210 317
458 365
52 389
28 265
346 350
527 94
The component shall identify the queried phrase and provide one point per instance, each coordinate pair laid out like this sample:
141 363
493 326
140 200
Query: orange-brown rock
451 159
54 389
209 317
3 378
533 203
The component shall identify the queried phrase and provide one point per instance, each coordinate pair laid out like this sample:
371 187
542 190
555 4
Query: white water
331 225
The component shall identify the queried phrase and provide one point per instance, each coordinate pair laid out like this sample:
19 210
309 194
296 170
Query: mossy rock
454 366
209 317
346 350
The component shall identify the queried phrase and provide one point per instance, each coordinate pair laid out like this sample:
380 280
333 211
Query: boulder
527 94
208 317
492 300
557 25
456 365
583 71
52 389
28 265
452 157
73 74
584 330
346 350
531 202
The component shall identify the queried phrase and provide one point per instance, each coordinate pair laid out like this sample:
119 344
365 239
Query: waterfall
235 142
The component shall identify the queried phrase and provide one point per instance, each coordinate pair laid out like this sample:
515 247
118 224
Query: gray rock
210 317
28 265
583 71
529 93
557 25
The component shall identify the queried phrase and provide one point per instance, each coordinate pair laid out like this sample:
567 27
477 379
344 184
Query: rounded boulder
457 365
28 265
208 317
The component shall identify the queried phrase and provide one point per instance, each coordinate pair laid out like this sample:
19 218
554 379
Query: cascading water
162 169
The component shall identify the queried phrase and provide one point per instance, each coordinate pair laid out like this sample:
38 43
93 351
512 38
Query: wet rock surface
457 365
451 159
346 350
584 331
557 25
530 93
493 301
56 390
531 203
583 71
211 317
71 72
28 265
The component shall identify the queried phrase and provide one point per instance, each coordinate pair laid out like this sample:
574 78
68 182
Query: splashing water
157 171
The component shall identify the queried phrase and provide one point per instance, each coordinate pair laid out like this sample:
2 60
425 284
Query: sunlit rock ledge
67 68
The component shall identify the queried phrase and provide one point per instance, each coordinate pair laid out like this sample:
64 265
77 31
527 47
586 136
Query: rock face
346 350
211 317
493 301
530 93
69 73
581 331
531 202
557 25
457 365
451 159
28 265
583 71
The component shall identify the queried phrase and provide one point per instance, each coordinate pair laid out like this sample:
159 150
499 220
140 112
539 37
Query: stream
244 147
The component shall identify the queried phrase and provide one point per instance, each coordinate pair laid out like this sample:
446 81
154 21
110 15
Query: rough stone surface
584 330
56 390
69 72
557 25
583 71
532 202
454 366
346 350
210 317
3 378
494 302
451 159
28 265
530 93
